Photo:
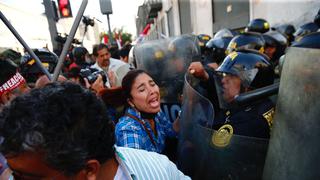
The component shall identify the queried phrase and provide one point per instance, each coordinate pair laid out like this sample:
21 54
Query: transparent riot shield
294 145
205 153
120 72
167 61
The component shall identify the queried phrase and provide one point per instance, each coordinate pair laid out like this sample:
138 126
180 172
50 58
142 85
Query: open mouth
154 102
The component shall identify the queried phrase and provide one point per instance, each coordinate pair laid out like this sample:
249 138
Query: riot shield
120 72
167 61
205 153
294 145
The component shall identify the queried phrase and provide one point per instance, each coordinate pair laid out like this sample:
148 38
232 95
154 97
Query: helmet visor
230 85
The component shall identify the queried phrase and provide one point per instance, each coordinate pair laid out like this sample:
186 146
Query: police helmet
247 40
30 70
202 41
253 70
288 30
311 40
218 48
258 25
305 29
224 33
276 40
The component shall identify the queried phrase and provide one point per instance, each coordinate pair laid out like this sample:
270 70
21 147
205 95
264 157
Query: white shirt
118 67
138 164
120 175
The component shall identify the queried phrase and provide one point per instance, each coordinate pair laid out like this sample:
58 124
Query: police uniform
254 120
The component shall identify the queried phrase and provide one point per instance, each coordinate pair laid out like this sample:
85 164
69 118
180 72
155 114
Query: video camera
92 75
88 21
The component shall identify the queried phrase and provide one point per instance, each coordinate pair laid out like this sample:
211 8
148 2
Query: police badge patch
269 116
222 137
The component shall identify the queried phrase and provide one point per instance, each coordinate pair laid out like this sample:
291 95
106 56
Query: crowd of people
102 120
94 144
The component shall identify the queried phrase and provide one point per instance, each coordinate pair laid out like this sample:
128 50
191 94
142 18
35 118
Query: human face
269 51
231 87
103 57
145 94
21 89
31 166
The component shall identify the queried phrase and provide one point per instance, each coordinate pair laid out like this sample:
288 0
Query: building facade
178 17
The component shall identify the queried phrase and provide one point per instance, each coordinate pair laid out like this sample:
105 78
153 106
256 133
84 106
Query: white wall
296 12
201 16
33 28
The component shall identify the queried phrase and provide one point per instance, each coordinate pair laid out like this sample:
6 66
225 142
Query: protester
78 143
143 126
12 84
43 80
124 53
81 58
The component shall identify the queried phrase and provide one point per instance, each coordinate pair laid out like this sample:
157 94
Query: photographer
81 58
93 79
109 66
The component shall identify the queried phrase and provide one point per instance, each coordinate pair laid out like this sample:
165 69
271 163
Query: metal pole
110 36
69 39
51 22
24 44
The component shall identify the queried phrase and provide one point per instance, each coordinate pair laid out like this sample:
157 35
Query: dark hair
98 47
124 51
79 55
7 70
65 121
128 81
114 51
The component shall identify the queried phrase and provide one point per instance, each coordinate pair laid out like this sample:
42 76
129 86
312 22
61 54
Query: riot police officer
216 52
243 71
275 46
305 29
203 39
217 46
288 31
311 40
247 40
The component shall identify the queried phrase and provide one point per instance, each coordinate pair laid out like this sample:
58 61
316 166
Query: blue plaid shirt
130 133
